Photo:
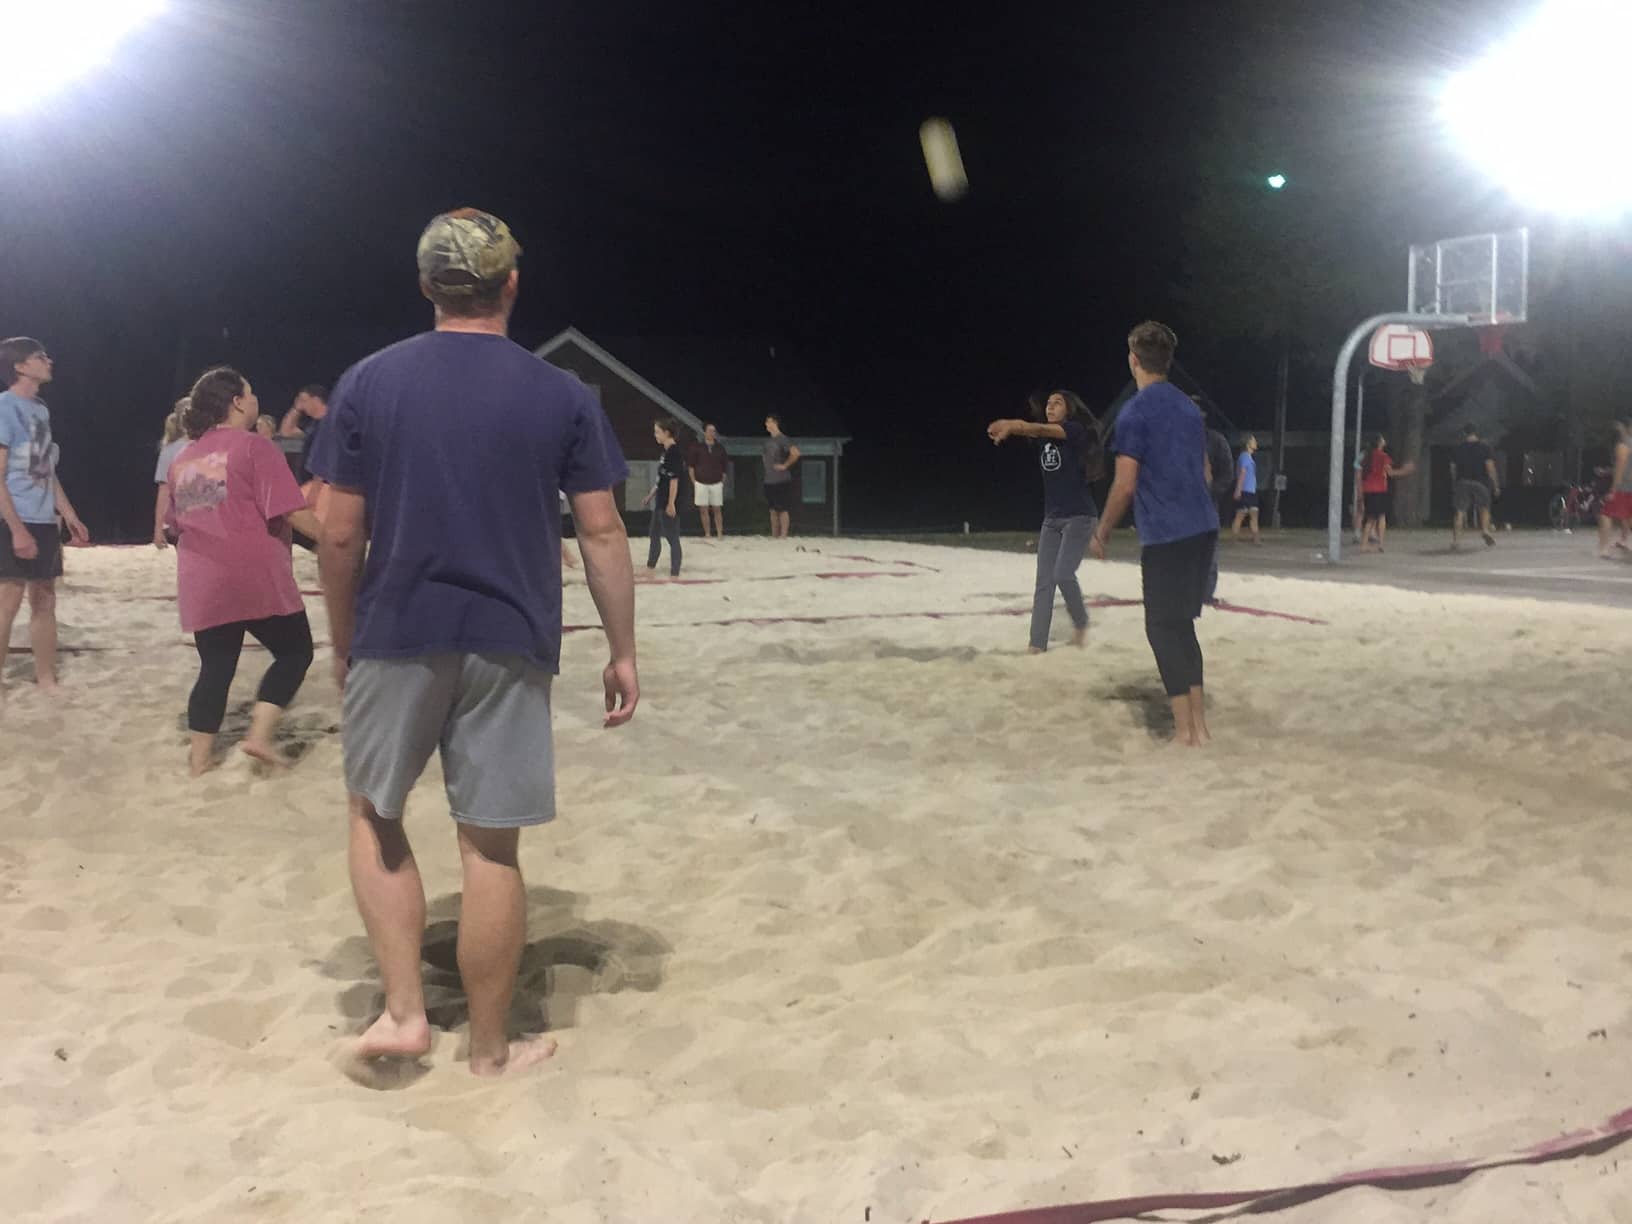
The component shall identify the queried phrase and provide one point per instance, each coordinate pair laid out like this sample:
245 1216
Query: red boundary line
1587 1142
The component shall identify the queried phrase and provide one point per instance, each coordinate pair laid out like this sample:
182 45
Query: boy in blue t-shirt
1246 490
32 499
1161 470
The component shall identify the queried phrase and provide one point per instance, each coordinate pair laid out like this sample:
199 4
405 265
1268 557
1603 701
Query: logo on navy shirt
1051 457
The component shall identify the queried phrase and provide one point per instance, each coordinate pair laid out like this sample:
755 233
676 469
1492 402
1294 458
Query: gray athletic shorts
488 714
1469 495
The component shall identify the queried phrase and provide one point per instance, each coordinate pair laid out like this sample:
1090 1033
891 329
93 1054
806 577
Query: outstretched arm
1001 431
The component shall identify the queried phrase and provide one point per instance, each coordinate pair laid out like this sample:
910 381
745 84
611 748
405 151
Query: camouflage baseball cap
465 251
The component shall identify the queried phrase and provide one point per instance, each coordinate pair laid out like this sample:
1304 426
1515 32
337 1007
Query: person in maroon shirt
706 463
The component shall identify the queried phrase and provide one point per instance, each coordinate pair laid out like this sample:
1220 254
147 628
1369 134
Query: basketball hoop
1396 347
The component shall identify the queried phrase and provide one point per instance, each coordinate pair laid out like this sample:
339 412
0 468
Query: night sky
247 180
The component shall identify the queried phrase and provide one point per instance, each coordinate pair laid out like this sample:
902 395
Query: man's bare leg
42 632
1198 716
492 931
11 599
702 517
1252 519
391 899
263 726
1235 527
1484 527
1456 530
719 522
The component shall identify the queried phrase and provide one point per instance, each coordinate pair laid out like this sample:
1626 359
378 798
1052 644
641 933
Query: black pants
1175 581
289 638
665 527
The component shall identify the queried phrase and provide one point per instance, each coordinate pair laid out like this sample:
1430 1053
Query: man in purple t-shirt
447 453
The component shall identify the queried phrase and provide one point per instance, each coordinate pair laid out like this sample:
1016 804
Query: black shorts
1175 576
779 497
43 568
1378 505
1247 501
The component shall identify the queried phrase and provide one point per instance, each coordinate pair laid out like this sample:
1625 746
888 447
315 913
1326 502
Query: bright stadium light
1276 181
1545 113
53 42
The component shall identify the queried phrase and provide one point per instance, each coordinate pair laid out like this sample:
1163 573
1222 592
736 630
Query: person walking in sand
175 441
663 497
1161 470
706 465
448 636
234 503
1474 483
31 501
1221 484
780 454
1616 514
1070 454
1379 469
1246 490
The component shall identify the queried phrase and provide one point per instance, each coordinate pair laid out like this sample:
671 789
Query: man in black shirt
1474 483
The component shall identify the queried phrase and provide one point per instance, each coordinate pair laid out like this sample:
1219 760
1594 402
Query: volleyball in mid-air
942 159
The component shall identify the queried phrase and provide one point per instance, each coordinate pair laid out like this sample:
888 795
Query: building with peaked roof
731 385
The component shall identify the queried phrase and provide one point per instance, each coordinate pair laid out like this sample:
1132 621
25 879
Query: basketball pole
1340 409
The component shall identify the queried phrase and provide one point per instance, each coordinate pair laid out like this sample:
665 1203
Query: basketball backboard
1484 278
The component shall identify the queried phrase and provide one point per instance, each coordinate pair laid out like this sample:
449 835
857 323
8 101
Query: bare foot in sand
1079 637
521 1054
265 753
387 1038
1034 650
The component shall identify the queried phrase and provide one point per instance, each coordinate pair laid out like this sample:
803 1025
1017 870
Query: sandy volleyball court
867 916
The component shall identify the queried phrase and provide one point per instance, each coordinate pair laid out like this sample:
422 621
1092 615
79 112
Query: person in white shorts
706 465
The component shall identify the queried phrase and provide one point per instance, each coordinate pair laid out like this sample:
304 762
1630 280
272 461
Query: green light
1276 181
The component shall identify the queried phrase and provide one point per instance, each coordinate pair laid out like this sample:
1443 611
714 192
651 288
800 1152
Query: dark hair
481 303
211 399
316 391
1153 344
1377 441
668 425
14 352
1093 455
771 416
711 425
1470 430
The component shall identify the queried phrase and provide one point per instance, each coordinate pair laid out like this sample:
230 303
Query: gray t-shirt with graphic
777 451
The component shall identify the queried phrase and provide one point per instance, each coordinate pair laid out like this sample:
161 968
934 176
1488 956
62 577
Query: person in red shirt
1378 470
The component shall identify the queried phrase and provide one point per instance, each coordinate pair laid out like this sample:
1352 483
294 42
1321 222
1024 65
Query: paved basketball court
1528 564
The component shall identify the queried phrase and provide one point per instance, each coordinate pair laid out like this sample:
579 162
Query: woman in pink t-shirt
234 502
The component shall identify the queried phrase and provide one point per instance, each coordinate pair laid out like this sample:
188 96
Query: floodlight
1545 112
53 42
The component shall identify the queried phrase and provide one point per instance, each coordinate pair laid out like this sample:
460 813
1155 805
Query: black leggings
1175 580
670 529
289 638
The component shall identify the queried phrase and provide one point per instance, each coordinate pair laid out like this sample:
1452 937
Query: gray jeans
1060 546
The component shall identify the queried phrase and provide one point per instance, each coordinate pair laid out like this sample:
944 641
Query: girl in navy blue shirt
1070 454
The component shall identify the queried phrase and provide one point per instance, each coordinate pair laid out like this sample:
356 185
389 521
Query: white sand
877 913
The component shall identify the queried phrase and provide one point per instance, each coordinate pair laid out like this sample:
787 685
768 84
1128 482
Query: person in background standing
1474 483
1246 490
1221 483
665 492
780 454
706 466
1617 508
31 500
175 441
1374 478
